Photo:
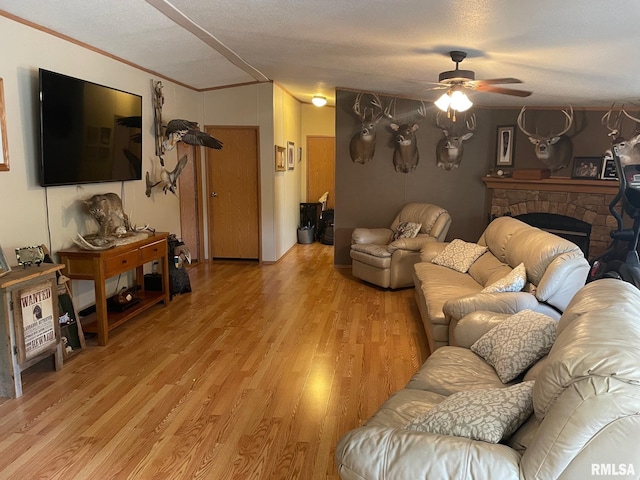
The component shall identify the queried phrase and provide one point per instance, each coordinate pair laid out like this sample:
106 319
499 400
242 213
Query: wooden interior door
189 188
321 168
232 189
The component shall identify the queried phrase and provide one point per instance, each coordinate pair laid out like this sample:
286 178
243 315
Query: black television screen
88 132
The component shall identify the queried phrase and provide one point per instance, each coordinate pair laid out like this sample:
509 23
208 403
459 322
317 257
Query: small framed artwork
281 165
36 320
4 266
609 171
291 151
587 167
506 140
4 149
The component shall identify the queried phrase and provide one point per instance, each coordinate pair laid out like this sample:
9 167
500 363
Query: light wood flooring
254 375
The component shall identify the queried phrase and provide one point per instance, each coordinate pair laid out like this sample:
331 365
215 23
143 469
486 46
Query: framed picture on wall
506 140
281 165
291 152
609 171
4 266
4 152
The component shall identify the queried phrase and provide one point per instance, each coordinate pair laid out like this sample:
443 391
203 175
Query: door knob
214 194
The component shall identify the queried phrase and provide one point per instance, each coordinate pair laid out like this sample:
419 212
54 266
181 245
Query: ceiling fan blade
504 91
495 81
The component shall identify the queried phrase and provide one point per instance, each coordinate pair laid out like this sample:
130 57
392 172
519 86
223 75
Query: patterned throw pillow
487 414
513 282
407 230
459 255
517 343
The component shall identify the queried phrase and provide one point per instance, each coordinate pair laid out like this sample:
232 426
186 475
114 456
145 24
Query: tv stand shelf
99 265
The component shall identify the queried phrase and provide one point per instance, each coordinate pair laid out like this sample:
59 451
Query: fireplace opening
569 228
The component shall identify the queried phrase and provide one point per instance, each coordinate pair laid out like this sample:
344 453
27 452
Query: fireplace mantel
554 184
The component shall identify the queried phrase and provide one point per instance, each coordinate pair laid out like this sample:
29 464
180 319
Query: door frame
205 200
197 167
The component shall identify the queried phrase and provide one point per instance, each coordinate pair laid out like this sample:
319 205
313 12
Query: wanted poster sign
36 332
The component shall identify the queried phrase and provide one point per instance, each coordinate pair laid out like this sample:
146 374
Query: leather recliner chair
379 259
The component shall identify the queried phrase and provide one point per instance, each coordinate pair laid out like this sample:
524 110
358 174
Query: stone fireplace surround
586 200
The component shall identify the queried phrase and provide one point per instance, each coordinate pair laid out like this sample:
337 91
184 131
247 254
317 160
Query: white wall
32 215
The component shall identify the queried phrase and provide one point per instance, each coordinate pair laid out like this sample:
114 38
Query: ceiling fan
467 79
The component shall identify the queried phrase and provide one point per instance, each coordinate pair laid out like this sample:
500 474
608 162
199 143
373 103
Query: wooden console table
99 265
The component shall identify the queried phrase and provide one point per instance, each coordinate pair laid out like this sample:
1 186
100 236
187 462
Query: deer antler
569 122
521 121
471 123
614 131
356 108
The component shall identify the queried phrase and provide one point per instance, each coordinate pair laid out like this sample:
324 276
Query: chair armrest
503 302
471 327
412 244
376 236
431 249
393 453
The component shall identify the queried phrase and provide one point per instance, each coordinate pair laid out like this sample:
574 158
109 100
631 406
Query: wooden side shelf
99 265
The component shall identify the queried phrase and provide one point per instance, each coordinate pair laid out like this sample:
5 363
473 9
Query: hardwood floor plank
255 374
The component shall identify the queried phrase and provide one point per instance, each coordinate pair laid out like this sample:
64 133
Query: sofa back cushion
428 215
598 336
488 269
556 266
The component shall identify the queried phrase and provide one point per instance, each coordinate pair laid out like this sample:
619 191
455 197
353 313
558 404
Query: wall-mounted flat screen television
88 132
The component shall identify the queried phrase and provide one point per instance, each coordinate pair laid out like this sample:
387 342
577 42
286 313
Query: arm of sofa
411 244
389 453
375 236
471 327
503 302
431 249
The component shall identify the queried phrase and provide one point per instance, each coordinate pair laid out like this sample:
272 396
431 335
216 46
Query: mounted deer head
625 149
449 149
555 150
363 144
405 153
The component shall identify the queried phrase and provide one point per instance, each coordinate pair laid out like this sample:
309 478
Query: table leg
102 320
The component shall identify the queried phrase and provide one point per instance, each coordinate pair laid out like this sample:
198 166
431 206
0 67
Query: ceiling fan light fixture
454 100
319 100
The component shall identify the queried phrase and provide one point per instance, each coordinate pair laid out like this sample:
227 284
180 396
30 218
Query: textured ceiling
575 51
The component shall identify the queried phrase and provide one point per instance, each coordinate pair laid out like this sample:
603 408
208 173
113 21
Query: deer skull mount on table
449 149
554 150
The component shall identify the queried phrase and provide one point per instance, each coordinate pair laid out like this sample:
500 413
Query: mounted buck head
449 149
405 153
363 144
626 149
555 150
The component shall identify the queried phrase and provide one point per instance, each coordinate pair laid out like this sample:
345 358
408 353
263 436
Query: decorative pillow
513 282
517 343
459 255
487 414
407 230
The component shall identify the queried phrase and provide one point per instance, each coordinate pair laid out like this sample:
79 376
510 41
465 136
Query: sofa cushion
406 230
370 249
488 415
450 369
403 406
436 284
488 269
517 343
459 255
512 282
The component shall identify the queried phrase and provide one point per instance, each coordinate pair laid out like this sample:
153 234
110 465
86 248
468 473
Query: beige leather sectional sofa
555 268
585 397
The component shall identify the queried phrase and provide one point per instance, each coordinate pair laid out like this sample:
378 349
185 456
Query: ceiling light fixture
454 99
319 100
